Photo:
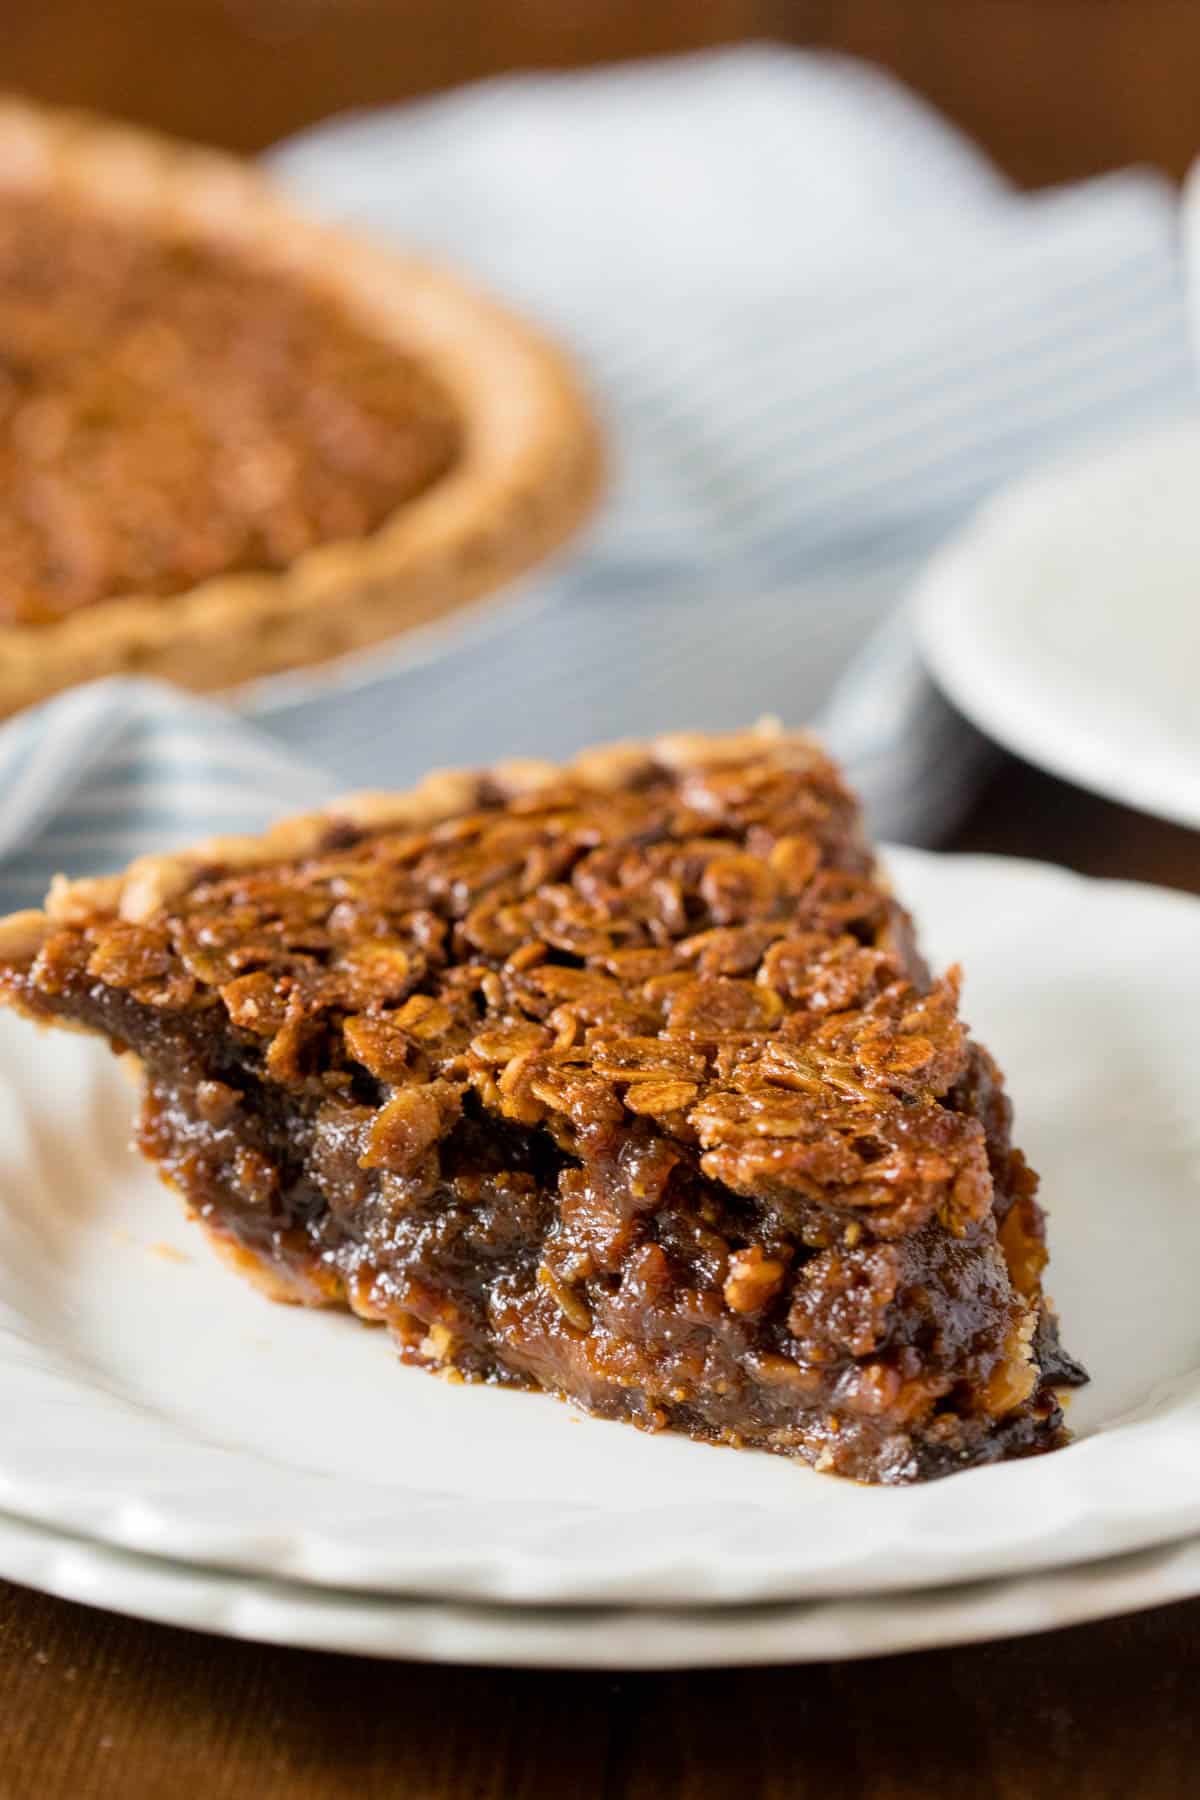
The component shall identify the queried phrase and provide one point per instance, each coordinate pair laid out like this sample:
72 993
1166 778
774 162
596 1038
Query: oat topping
634 1087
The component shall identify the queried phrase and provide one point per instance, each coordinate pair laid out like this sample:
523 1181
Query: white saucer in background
1065 621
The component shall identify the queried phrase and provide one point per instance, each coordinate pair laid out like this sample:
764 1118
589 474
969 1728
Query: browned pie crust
522 471
624 1079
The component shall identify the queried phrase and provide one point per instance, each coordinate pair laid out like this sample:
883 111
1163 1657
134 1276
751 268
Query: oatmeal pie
234 441
622 1079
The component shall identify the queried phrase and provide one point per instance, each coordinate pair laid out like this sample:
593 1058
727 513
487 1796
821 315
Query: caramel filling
170 412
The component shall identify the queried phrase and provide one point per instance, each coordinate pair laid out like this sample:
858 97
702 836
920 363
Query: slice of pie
234 441
622 1079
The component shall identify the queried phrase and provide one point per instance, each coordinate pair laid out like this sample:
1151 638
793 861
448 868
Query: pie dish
623 1079
235 441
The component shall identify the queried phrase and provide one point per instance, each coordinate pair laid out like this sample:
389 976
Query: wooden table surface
94 1706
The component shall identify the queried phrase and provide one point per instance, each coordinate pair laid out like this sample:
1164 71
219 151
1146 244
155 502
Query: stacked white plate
175 1447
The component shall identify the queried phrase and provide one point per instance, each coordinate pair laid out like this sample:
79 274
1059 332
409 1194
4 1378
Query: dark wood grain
1054 88
1023 812
97 1708
244 72
94 1707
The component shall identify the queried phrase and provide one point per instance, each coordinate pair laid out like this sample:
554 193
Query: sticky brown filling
734 1320
170 412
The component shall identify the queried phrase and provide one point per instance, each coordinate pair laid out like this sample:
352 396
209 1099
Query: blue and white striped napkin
821 328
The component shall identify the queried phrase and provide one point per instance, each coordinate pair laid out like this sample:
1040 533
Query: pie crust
526 476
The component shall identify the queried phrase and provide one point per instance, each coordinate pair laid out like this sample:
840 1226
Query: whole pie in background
235 441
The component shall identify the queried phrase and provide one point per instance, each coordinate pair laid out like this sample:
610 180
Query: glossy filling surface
637 1091
170 412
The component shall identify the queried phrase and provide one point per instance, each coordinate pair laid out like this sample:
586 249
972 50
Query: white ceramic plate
276 1612
1065 622
151 1400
